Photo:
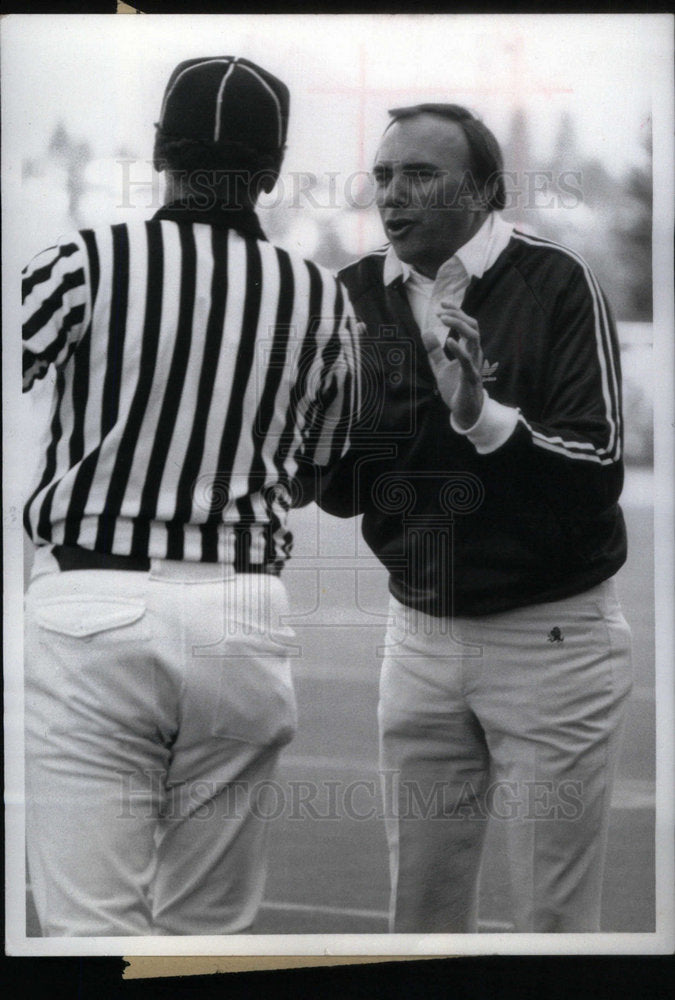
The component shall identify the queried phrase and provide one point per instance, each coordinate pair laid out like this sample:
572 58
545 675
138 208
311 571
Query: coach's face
422 173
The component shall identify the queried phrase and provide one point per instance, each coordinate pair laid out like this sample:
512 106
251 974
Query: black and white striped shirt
203 378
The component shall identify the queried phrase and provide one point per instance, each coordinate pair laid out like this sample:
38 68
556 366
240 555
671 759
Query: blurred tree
29 168
59 143
519 165
517 149
632 235
565 149
598 186
608 221
75 156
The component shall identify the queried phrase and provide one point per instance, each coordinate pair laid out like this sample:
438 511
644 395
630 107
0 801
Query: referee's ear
158 161
268 170
268 179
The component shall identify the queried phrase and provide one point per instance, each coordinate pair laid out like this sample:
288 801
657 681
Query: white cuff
493 428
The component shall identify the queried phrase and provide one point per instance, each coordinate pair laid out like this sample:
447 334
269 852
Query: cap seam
276 100
204 62
219 100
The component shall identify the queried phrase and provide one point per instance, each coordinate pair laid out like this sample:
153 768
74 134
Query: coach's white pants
156 706
502 717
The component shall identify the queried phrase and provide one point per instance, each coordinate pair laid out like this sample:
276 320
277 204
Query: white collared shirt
471 260
496 422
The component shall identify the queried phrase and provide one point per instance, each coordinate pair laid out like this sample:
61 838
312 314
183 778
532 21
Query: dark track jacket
533 521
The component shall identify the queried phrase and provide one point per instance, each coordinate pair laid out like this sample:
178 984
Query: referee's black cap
225 99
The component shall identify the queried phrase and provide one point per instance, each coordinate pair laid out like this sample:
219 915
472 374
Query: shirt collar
244 220
476 256
394 268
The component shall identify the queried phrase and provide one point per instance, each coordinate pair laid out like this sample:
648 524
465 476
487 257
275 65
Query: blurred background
571 100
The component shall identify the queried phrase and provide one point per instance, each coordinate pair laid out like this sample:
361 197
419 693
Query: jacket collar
476 256
221 216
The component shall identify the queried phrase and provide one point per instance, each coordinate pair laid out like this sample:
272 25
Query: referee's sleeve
55 307
335 383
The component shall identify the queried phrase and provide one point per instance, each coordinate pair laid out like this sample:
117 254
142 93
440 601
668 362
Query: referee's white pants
156 707
498 718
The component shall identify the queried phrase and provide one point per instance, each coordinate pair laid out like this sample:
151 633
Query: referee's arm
332 395
56 307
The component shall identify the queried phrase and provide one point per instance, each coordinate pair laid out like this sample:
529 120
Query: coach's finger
450 308
458 325
454 350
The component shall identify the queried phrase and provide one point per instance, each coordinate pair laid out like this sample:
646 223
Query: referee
203 378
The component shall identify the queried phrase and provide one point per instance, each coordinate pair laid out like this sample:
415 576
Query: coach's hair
486 157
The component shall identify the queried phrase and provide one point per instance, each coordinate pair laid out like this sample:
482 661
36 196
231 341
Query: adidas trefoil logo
488 371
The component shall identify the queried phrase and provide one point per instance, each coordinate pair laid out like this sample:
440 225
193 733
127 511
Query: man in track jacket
488 473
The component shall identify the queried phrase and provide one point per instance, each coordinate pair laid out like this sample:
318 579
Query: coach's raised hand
457 365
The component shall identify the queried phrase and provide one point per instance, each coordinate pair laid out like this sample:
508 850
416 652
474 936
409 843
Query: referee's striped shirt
203 378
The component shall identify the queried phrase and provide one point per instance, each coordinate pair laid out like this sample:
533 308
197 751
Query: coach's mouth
397 229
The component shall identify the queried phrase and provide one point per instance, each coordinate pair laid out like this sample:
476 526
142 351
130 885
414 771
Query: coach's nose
394 192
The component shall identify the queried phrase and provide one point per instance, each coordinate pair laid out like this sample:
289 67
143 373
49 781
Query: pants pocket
88 668
80 617
256 701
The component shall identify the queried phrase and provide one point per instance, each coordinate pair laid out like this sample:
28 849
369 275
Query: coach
202 377
491 498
